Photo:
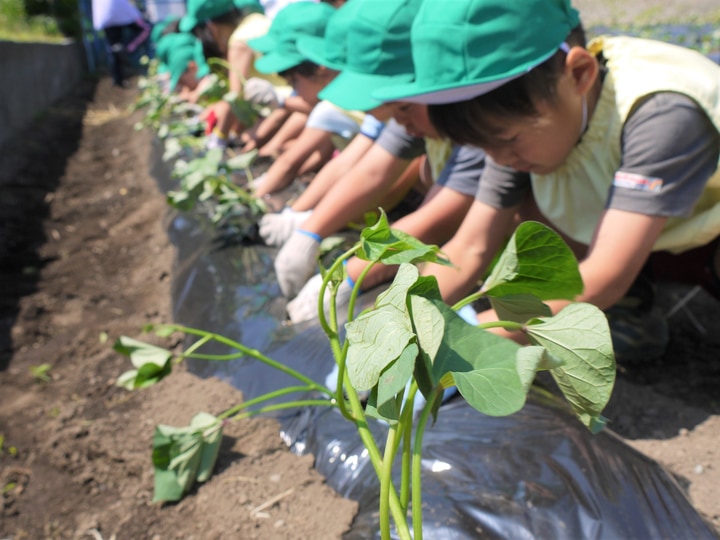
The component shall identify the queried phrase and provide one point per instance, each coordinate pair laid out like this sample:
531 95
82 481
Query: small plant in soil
409 342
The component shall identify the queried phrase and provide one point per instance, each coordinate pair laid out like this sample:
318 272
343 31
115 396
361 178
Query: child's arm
471 250
286 166
332 172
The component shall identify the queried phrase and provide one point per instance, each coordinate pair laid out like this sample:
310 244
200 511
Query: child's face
188 79
383 113
536 144
308 88
414 117
541 144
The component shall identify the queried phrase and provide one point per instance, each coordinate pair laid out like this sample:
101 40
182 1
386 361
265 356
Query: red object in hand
211 121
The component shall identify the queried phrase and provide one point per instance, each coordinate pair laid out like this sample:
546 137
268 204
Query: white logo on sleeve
637 182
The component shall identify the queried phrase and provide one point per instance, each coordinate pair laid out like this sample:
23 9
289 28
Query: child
232 23
181 55
316 143
378 55
617 142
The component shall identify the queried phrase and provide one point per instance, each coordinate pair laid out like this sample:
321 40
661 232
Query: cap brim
263 44
415 93
313 47
354 91
274 62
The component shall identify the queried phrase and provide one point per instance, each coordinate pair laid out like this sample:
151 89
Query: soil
85 258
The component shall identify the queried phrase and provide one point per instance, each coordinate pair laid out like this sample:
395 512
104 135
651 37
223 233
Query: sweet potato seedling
410 342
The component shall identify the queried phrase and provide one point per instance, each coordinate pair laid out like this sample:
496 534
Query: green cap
292 22
172 41
465 48
378 53
330 49
180 56
199 11
159 27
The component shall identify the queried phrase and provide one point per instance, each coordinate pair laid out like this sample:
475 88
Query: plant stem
386 482
417 465
507 325
254 353
265 397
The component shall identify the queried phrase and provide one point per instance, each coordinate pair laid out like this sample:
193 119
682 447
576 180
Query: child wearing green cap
327 127
378 55
181 55
232 23
616 144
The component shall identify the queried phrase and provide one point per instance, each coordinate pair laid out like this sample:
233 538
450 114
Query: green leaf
519 307
242 161
532 359
182 456
579 337
393 381
483 365
127 380
535 261
212 437
152 363
391 246
378 337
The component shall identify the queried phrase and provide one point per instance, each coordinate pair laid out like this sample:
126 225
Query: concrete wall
32 77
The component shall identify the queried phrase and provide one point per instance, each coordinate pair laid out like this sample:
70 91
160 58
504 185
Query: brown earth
85 258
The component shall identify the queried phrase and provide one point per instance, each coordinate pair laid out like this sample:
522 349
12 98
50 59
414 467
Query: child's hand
296 262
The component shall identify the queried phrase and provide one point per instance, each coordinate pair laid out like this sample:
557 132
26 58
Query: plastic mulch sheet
536 474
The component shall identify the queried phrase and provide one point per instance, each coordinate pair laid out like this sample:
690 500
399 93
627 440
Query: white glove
305 305
297 261
276 228
261 92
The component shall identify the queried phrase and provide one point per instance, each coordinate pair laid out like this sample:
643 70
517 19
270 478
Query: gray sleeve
399 143
670 150
502 187
463 169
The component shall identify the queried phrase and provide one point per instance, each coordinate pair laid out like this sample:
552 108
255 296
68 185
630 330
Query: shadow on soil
31 167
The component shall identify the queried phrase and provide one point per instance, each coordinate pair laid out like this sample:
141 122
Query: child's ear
583 67
192 68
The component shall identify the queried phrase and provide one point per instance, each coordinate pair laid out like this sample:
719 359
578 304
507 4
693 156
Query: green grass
15 25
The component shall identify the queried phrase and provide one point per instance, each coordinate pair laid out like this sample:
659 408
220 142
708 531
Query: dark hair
465 122
305 68
210 48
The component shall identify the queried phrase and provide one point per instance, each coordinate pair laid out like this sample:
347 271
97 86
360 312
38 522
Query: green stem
281 406
417 464
386 482
507 325
468 300
265 397
254 353
406 421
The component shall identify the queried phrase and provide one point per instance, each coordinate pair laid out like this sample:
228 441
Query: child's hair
463 122
306 68
210 48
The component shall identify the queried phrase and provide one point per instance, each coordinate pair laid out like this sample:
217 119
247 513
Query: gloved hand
276 228
297 261
261 92
305 305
